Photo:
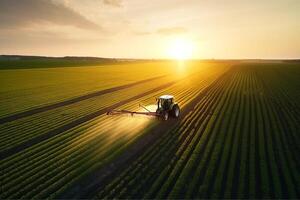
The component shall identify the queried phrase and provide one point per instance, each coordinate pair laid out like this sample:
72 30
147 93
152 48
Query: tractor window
165 103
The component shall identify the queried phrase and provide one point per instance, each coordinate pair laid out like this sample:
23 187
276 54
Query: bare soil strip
72 101
87 186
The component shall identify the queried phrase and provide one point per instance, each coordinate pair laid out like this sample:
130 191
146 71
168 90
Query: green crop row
30 88
240 141
48 168
162 149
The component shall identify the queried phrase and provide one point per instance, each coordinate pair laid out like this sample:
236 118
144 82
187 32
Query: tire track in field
87 186
20 147
34 111
40 138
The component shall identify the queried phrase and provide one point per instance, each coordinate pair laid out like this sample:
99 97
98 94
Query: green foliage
240 141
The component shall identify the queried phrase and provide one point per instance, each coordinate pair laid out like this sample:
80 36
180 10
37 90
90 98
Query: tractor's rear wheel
175 111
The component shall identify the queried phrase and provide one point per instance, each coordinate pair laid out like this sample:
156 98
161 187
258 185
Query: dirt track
86 187
72 101
20 147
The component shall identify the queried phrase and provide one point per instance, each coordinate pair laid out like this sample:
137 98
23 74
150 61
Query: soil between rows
87 186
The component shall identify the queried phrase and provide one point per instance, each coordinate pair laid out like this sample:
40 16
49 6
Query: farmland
237 137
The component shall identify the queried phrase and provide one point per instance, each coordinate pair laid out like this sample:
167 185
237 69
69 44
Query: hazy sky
146 28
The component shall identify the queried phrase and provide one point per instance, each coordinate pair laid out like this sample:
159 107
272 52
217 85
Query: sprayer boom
165 107
118 112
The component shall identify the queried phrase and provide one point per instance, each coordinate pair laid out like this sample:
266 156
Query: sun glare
180 49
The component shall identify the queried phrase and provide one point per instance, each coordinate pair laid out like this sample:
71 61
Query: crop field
240 141
27 88
237 135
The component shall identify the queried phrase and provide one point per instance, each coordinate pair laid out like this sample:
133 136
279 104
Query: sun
180 49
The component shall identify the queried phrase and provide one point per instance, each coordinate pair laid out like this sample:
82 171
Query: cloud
164 31
116 3
172 31
26 13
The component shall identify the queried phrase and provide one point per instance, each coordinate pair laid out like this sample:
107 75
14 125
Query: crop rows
48 168
44 86
20 130
240 141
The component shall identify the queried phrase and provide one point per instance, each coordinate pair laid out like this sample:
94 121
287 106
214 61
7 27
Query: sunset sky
150 28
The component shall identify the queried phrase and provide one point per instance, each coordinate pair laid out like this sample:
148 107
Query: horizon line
129 58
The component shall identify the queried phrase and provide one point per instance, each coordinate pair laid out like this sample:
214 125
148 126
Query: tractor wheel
175 111
165 116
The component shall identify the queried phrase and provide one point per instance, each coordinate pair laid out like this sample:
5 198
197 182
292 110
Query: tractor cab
165 102
167 107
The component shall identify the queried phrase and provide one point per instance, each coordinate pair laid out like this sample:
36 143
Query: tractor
166 108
